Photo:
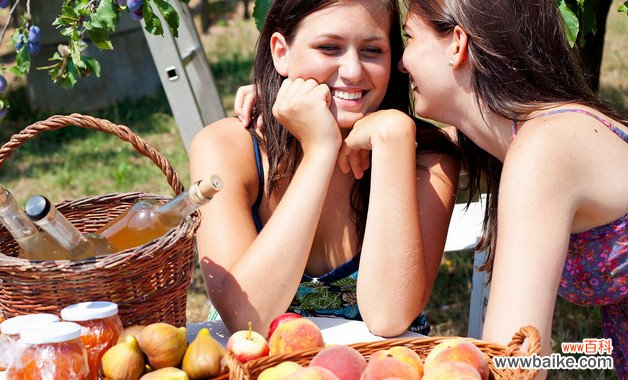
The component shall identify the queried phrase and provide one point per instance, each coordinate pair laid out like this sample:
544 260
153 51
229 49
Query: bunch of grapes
4 3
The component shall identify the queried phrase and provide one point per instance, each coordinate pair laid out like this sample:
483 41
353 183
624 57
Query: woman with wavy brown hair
552 154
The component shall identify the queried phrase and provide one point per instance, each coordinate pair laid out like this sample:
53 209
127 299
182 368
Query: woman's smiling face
347 47
425 59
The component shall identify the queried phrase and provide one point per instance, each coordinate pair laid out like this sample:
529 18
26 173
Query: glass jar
100 328
51 352
10 331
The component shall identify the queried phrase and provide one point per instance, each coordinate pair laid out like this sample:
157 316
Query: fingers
243 103
356 161
343 158
356 164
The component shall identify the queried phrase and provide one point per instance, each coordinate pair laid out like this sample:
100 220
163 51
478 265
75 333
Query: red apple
247 344
285 317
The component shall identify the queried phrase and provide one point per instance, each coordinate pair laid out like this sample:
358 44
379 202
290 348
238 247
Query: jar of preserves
10 334
100 328
52 352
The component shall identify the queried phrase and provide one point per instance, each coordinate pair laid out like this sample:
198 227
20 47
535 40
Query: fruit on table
202 358
248 344
312 373
280 319
343 361
163 344
295 335
402 353
389 367
450 370
135 330
458 350
166 373
124 361
280 371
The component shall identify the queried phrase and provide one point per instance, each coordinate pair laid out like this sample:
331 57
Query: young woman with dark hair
331 184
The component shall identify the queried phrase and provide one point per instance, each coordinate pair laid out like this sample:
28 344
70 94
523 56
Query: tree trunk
204 16
591 52
247 14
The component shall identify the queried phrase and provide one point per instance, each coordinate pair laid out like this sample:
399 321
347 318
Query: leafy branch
79 21
580 17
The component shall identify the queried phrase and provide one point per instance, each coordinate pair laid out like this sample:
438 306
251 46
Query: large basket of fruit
149 283
441 357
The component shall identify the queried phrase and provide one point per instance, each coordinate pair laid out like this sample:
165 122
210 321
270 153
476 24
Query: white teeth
347 95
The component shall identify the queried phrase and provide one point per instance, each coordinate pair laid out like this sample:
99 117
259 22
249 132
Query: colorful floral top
596 271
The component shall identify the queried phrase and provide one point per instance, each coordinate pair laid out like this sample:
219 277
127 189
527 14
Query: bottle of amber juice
146 221
80 246
34 244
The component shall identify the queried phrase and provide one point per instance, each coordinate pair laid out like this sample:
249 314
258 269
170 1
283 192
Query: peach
458 350
450 370
295 335
388 367
312 373
280 371
402 353
344 361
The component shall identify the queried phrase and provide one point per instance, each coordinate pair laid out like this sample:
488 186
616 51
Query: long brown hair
283 149
520 62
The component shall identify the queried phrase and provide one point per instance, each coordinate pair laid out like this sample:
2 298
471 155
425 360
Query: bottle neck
182 205
61 229
14 219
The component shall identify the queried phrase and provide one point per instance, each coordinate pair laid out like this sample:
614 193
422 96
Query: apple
285 317
248 345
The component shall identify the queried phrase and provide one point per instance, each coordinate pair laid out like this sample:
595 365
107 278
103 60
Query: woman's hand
377 126
243 105
302 107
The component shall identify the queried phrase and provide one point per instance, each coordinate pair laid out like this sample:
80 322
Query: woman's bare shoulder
224 146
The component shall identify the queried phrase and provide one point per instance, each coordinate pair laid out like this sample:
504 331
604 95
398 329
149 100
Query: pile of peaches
451 359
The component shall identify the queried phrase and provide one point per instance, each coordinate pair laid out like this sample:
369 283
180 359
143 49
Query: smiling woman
291 228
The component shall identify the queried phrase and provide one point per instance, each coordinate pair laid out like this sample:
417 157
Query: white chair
464 232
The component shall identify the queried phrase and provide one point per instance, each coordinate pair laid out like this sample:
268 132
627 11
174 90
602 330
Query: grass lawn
72 163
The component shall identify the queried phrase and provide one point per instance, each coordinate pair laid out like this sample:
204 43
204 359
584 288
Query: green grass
73 163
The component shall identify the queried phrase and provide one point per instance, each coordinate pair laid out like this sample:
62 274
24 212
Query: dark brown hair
520 62
283 150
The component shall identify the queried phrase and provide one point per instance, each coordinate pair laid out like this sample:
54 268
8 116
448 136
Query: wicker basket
149 283
422 346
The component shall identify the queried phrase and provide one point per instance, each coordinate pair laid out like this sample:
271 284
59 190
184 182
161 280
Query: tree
585 22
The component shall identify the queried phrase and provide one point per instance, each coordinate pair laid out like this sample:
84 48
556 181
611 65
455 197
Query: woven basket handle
124 133
534 341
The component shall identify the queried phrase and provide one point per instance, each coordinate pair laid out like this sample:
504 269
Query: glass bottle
34 244
145 221
80 246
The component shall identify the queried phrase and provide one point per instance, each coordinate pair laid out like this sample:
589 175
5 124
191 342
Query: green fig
167 373
124 361
202 358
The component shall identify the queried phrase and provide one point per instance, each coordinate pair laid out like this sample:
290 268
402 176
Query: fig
135 330
124 361
163 344
202 358
167 373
